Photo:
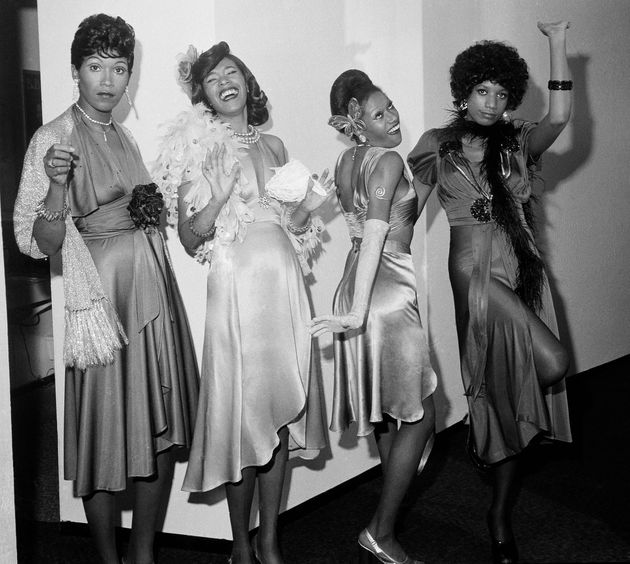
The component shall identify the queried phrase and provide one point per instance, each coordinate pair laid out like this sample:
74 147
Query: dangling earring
506 116
129 101
75 90
362 138
463 106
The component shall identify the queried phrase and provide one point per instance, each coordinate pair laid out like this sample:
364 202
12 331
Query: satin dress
257 367
383 367
118 417
507 406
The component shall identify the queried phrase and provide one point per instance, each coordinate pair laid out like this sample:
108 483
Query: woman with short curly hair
131 379
512 363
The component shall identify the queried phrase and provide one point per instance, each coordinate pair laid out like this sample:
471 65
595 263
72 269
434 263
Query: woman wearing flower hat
247 212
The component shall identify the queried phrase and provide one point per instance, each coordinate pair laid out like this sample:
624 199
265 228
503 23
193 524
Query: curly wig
257 112
104 35
493 61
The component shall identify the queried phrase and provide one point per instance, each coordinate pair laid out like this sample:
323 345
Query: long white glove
374 233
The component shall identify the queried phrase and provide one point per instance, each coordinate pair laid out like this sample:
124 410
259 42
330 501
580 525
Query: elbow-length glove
374 234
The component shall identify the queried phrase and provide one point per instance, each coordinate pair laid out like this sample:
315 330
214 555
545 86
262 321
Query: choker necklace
101 123
251 136
354 153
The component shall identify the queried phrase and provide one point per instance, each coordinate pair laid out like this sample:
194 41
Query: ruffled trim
182 150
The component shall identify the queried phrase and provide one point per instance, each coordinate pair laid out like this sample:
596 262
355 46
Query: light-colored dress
118 417
507 406
383 368
257 372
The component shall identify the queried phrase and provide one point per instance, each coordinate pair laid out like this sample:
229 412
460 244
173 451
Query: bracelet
207 235
560 85
297 230
45 213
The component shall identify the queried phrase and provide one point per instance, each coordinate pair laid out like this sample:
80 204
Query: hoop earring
129 101
463 106
75 90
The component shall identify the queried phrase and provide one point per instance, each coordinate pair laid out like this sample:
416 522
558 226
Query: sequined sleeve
423 157
34 183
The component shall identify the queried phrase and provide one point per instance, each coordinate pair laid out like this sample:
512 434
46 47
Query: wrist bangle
560 85
297 230
49 215
202 235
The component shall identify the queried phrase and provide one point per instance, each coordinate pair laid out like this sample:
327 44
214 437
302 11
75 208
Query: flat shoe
367 542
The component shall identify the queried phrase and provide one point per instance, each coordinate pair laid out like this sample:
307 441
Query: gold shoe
367 542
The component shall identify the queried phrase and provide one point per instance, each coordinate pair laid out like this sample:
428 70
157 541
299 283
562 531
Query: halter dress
383 367
257 371
119 416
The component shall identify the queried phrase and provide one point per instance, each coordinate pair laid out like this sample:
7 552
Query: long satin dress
507 406
118 417
384 367
256 371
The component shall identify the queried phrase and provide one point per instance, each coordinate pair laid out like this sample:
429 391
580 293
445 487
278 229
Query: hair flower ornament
347 125
185 62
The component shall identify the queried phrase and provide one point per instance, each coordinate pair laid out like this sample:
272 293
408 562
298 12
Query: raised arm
200 226
560 97
49 228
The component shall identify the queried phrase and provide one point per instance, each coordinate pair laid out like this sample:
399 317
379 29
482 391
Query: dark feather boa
498 138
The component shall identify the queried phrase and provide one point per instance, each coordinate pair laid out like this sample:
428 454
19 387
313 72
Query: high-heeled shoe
504 552
367 542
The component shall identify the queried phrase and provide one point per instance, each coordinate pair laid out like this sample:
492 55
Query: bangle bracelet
297 230
49 215
560 85
207 235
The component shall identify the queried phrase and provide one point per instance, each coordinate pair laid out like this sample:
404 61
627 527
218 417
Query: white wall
296 50
584 228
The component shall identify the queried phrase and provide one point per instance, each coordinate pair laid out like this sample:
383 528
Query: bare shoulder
390 161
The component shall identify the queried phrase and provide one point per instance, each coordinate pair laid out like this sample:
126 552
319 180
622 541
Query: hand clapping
221 181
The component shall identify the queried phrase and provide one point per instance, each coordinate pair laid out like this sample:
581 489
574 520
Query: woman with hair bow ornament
247 212
383 377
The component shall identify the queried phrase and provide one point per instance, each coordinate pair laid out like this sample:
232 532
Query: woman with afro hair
512 363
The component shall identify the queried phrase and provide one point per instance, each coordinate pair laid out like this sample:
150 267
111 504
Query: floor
573 504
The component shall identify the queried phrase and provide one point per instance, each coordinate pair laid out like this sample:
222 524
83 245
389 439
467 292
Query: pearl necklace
103 123
251 136
95 121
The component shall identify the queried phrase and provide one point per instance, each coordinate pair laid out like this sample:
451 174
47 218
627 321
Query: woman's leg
270 485
239 498
99 510
149 496
403 456
503 496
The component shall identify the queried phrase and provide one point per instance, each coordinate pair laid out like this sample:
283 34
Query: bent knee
556 367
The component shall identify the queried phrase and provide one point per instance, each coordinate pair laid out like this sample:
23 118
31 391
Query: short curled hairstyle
257 112
104 35
489 60
350 84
